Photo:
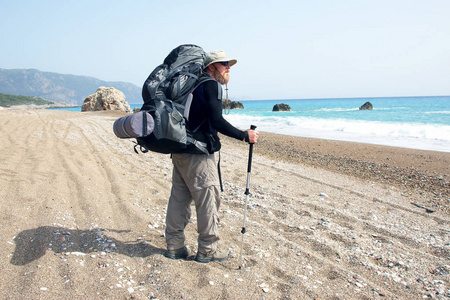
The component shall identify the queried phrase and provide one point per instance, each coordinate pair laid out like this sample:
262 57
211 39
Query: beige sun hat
218 56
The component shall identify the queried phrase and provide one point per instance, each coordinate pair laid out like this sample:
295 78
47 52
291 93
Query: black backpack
167 95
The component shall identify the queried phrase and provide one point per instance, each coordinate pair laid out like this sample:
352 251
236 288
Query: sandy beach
82 217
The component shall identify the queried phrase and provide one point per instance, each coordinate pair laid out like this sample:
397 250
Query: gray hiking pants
195 178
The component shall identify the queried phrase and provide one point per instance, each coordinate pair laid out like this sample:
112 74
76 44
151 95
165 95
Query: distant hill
10 100
70 89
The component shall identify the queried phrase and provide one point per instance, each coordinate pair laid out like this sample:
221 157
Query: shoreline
422 147
38 106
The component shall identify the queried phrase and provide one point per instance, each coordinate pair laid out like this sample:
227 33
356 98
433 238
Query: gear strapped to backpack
160 126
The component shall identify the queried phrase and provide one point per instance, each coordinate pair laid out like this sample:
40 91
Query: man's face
221 73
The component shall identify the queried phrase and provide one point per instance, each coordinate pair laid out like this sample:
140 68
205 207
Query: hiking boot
181 253
218 255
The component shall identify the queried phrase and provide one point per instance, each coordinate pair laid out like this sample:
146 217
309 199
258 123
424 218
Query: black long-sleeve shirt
207 105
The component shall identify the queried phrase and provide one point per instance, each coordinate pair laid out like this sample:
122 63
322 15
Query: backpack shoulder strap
204 78
208 78
187 109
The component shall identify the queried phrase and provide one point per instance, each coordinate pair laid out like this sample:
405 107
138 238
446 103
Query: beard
221 78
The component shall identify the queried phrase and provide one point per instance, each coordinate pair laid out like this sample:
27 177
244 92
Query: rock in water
281 107
106 98
232 105
366 106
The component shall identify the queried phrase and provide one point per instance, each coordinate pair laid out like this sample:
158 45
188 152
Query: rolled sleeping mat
139 124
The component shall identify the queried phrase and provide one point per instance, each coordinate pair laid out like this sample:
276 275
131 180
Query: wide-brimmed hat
218 56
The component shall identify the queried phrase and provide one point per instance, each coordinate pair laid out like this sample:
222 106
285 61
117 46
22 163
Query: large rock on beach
281 107
366 106
232 105
106 98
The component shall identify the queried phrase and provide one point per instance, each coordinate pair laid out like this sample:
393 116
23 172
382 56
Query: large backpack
167 95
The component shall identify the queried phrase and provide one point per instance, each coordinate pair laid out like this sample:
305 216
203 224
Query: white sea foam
407 135
438 112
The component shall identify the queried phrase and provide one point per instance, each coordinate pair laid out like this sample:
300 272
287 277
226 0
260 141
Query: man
195 176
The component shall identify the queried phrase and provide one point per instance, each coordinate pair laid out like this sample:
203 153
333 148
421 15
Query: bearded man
195 175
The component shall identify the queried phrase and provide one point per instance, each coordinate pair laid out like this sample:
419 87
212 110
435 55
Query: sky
286 49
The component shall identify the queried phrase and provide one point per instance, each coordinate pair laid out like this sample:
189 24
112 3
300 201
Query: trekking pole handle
250 153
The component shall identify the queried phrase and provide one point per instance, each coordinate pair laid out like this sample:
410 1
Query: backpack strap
200 145
181 71
220 174
187 108
144 123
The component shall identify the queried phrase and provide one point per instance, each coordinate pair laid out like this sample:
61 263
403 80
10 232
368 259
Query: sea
408 122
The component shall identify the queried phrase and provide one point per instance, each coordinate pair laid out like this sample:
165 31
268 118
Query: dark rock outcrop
281 107
232 105
106 98
366 106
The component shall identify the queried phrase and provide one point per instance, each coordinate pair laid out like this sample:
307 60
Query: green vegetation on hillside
10 100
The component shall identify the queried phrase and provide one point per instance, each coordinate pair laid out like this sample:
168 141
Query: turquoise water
411 122
424 110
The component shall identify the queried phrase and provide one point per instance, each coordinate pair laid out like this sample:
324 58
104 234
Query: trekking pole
247 193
